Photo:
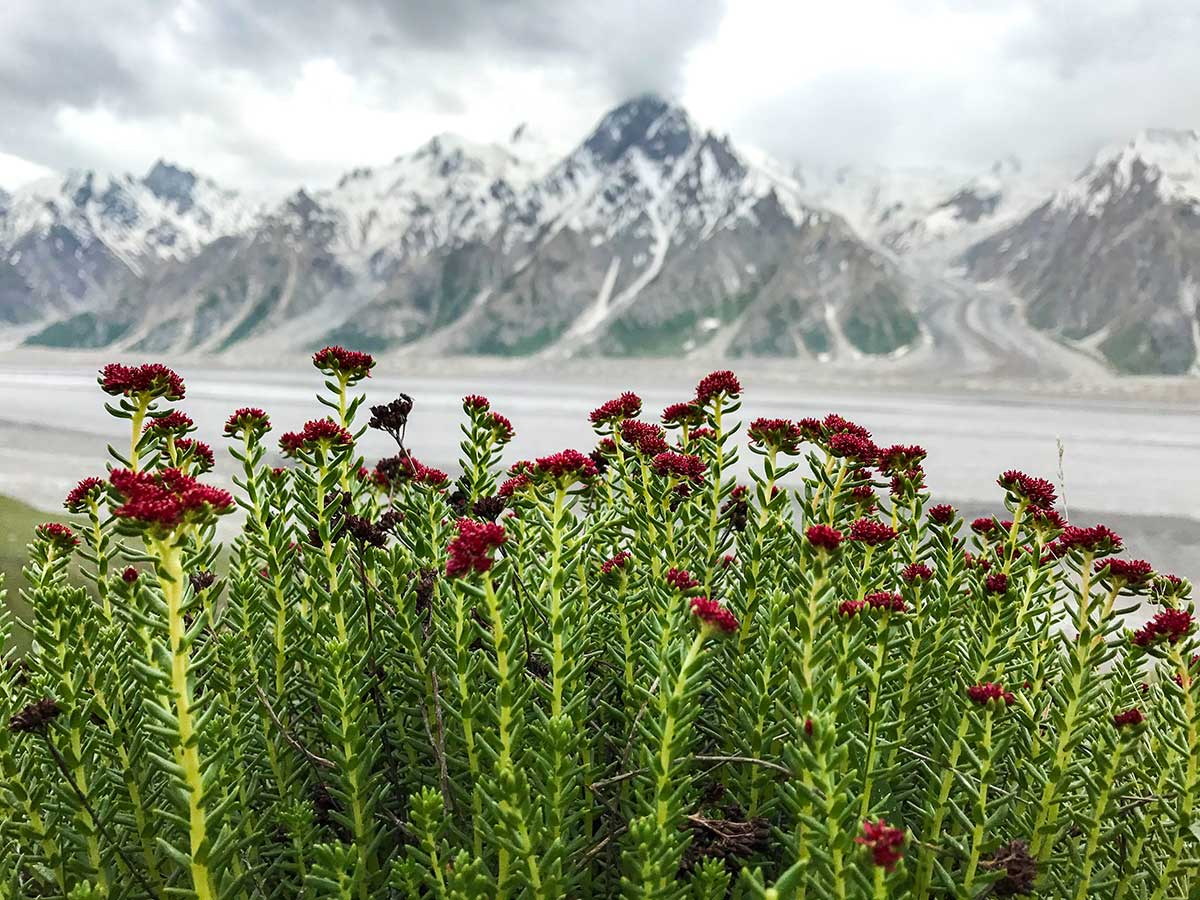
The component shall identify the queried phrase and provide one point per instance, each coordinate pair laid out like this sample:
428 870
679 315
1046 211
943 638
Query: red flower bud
712 613
823 537
885 843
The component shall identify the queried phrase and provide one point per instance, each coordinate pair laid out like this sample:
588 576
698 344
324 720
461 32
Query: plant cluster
615 673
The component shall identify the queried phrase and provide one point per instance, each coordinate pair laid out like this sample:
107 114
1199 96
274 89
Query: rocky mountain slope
1112 261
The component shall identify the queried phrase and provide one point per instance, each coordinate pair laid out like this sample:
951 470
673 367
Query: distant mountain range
651 237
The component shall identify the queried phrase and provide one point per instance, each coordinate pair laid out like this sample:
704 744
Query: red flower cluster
863 495
886 601
834 424
1047 520
566 467
712 613
626 406
167 498
338 361
900 458
474 403
681 580
989 526
996 583
150 380
130 575
644 437
174 422
679 465
428 476
678 414
976 562
823 537
614 563
722 383
983 694
853 447
812 430
1098 539
916 572
502 428
872 533
87 490
942 513
851 608
512 485
1131 716
60 536
249 420
1035 491
201 453
1130 572
701 433
316 433
1170 625
885 843
403 467
780 435
472 550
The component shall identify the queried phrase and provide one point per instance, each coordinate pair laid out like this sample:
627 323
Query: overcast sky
268 95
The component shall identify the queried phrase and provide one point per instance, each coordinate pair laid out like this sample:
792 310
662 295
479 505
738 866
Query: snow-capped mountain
651 236
1112 260
71 241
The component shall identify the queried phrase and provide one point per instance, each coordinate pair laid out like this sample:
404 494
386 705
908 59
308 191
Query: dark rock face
168 182
971 206
660 130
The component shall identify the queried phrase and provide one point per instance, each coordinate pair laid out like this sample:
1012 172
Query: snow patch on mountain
931 212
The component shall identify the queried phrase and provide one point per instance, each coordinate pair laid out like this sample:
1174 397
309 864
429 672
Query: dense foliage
614 674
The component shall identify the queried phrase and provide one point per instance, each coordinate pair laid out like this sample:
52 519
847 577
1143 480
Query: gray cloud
155 63
1057 78
1062 79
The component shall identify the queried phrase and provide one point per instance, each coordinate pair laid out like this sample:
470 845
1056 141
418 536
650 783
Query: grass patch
17 521
84 330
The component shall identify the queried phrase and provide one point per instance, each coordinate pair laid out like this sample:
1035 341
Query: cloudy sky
268 95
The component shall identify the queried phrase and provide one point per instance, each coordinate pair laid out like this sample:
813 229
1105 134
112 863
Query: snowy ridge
447 190
934 212
1168 158
167 214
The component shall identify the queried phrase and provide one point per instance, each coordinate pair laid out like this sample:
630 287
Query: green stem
187 752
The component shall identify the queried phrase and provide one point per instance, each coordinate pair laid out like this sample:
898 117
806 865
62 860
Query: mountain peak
660 129
1166 158
170 183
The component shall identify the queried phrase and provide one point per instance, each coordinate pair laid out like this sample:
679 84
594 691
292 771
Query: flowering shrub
616 673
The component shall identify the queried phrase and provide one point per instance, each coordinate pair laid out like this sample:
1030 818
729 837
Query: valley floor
1130 445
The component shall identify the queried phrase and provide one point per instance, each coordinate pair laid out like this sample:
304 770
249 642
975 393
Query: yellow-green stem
187 753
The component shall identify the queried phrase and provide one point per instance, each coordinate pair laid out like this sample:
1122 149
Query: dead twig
318 761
